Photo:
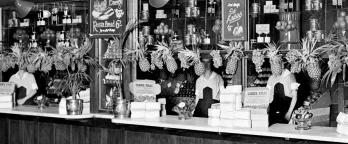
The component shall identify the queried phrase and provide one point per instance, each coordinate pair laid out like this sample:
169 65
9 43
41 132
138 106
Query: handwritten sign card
108 17
144 87
234 20
256 97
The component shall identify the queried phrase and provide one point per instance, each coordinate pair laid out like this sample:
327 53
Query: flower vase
302 124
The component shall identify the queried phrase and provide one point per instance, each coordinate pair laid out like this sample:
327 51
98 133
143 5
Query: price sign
256 97
7 87
234 20
107 17
144 87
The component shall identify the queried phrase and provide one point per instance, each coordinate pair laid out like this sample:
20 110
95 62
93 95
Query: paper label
257 97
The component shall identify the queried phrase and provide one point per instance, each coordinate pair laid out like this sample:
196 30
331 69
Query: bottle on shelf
55 16
13 22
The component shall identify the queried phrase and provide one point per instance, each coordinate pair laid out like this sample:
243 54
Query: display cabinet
45 25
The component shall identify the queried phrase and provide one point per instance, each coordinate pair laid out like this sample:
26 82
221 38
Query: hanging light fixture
23 7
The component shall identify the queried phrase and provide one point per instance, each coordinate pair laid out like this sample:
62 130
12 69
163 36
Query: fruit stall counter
28 125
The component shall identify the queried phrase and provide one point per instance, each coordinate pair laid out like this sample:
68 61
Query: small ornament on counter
302 117
41 101
184 110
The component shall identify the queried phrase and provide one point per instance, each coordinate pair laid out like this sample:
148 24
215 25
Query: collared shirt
214 82
287 78
27 81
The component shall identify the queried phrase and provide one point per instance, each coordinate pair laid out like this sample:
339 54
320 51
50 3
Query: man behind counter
26 86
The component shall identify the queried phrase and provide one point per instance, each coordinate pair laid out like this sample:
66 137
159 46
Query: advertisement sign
234 20
257 97
108 17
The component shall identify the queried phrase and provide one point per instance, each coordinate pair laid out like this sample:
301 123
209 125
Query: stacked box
342 123
228 112
6 94
259 118
145 109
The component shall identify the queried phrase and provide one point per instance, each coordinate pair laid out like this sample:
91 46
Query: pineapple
199 68
276 65
171 64
232 64
157 60
81 67
144 64
313 69
234 52
335 63
275 59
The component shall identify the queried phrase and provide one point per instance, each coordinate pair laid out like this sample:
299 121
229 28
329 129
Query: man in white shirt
209 79
26 85
283 96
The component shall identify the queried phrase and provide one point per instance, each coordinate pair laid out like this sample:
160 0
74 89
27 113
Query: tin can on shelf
195 11
188 12
308 5
145 15
146 30
313 24
255 8
192 3
191 29
319 35
188 39
316 5
150 40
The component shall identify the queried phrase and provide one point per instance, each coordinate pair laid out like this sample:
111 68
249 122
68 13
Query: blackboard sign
234 20
107 17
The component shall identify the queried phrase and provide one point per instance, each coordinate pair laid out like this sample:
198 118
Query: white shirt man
27 81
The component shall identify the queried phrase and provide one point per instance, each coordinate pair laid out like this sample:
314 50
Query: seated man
26 86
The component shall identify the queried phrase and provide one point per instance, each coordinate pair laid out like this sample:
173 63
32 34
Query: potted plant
75 61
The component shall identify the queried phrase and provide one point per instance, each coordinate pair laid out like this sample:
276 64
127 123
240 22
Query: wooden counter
48 126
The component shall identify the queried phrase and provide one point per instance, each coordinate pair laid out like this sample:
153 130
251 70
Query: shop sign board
107 17
234 20
257 97
7 87
144 87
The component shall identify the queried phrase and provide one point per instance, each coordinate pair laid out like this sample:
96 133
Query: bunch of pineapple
217 59
275 59
156 59
258 59
234 53
198 65
186 56
139 55
170 62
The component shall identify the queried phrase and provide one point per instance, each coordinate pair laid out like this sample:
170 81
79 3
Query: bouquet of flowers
184 110
41 101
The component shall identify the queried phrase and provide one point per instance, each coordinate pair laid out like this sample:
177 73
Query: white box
7 98
228 98
6 105
138 106
259 124
268 3
261 117
227 106
242 123
214 113
152 114
239 114
138 114
150 106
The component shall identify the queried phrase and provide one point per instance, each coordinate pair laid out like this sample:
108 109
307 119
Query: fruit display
162 29
342 21
20 34
258 59
234 53
48 34
74 33
286 25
